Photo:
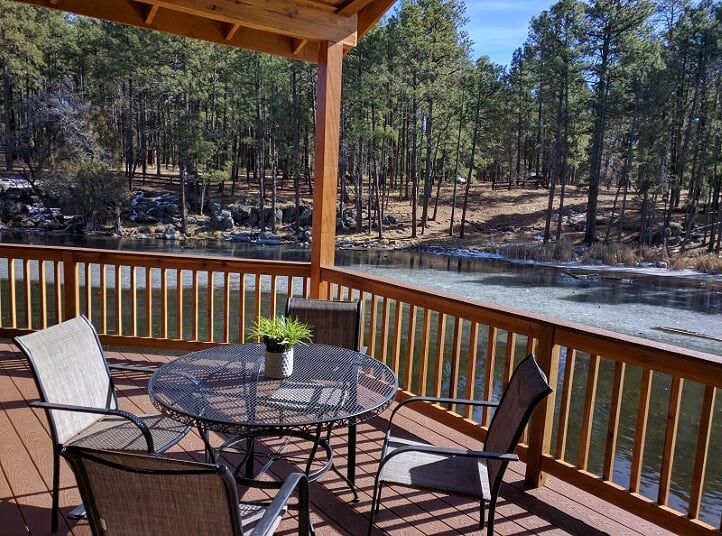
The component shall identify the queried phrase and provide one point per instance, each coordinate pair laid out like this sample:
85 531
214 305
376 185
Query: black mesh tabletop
224 389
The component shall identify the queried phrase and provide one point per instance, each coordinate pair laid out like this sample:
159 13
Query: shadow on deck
26 471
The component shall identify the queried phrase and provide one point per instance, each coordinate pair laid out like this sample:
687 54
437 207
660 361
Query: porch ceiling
290 28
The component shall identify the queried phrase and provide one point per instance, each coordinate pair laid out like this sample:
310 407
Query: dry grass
709 264
562 251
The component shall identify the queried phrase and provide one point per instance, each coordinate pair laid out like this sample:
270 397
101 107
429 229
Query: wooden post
325 174
540 426
71 295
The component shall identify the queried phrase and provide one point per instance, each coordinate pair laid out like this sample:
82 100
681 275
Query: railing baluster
70 285
373 305
12 305
194 304
565 404
509 357
242 307
670 440
588 416
257 312
133 301
640 432
118 300
615 411
148 301
425 352
210 305
410 346
164 303
439 361
43 276
88 289
489 373
386 314
272 296
27 292
470 393
226 307
700 457
455 359
179 303
398 337
103 298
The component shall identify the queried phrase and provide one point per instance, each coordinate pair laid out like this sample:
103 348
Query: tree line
624 95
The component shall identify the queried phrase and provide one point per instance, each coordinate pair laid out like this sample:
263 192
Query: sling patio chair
129 494
77 393
469 473
333 322
336 323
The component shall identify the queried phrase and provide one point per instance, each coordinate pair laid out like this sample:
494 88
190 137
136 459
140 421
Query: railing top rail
636 350
153 259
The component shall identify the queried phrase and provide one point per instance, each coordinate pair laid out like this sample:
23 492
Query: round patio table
224 389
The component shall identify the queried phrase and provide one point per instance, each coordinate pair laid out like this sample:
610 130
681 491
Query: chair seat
117 433
460 475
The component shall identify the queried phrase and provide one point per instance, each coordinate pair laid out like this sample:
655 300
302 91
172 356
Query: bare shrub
612 253
561 251
710 264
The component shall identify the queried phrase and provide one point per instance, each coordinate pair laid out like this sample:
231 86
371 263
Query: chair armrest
446 451
131 368
265 525
137 421
439 400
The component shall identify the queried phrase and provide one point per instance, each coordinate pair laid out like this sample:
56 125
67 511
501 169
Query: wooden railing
150 300
630 420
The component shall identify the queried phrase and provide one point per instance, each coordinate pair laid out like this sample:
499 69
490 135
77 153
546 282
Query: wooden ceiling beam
371 14
150 16
232 31
280 16
173 22
350 7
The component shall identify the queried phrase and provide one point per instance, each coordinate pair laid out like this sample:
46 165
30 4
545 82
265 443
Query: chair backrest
131 494
332 322
527 387
69 368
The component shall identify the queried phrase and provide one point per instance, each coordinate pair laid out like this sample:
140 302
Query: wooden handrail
612 392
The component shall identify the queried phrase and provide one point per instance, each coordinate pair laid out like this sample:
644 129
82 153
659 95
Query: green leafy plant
280 333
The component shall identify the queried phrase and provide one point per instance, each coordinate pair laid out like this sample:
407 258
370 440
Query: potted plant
279 334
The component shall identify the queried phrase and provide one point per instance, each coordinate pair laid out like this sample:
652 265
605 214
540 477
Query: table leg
351 470
250 456
210 454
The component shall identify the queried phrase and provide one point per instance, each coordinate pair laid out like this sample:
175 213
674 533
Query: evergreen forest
617 95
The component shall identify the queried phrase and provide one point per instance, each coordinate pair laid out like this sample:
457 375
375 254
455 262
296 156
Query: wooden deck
26 471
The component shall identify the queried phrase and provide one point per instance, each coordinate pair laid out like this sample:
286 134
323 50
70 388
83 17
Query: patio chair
128 494
337 323
333 322
469 473
77 394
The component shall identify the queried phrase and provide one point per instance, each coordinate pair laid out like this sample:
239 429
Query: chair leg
490 523
375 503
56 490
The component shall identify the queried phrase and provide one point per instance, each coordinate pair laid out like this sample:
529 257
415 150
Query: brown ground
493 217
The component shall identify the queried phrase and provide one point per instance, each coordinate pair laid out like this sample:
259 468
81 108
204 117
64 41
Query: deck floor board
26 473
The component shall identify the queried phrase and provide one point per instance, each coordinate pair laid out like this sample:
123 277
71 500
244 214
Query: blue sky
498 27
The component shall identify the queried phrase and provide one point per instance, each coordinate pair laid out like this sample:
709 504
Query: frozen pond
629 301
634 302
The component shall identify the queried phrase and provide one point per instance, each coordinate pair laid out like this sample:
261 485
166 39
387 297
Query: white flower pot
279 365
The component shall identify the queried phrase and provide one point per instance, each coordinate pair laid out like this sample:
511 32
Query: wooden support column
325 174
